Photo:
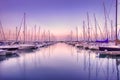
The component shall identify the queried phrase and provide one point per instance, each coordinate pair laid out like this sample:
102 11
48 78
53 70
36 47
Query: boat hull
10 49
109 49
2 53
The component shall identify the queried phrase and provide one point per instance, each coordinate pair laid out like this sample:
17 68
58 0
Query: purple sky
58 16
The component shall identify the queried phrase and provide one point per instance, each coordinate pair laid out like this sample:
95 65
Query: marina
60 40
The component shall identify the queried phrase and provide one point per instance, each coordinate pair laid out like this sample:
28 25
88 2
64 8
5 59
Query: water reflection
2 58
60 62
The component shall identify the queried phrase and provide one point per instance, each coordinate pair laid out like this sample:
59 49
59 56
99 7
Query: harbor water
59 62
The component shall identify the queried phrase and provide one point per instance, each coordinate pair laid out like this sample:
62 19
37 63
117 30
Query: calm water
59 62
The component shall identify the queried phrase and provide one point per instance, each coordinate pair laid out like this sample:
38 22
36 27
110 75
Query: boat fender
105 49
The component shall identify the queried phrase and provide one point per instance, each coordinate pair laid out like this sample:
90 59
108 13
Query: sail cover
104 41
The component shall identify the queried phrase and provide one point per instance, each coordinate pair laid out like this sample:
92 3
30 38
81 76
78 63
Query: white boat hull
2 52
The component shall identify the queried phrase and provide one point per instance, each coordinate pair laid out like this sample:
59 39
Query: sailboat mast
111 30
96 35
105 12
35 33
24 26
48 35
88 27
71 36
44 36
2 31
116 21
39 34
83 30
31 34
9 35
77 34
16 33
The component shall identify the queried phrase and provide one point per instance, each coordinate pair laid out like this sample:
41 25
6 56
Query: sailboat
95 46
114 50
2 52
86 45
26 46
78 43
5 47
106 30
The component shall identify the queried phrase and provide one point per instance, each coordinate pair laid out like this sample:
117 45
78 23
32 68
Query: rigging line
1 34
109 11
118 33
92 29
20 29
99 28
2 30
86 30
110 7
